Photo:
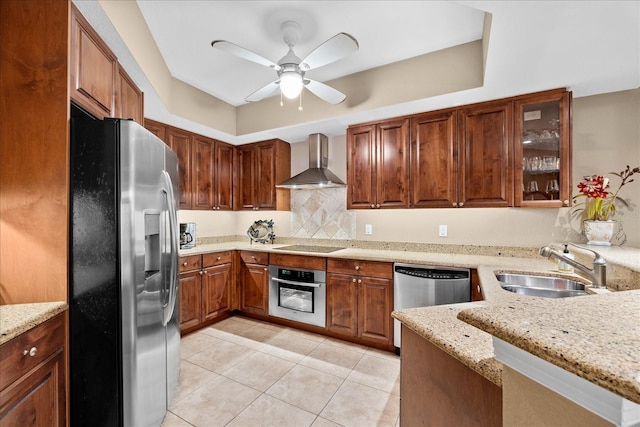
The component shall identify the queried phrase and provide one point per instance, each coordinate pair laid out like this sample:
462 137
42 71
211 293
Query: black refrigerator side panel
94 312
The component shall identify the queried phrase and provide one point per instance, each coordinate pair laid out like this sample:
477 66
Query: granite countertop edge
16 319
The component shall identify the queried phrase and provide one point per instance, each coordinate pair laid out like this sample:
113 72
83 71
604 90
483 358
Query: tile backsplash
322 214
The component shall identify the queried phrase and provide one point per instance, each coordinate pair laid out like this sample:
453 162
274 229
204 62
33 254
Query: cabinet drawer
299 261
254 257
360 268
42 341
191 262
216 258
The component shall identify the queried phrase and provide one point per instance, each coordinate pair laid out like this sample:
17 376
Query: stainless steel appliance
424 285
123 303
187 235
297 294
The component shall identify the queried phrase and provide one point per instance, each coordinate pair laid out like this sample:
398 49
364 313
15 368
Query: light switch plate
368 229
442 231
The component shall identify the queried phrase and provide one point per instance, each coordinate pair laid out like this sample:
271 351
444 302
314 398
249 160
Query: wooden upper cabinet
202 161
261 166
486 155
129 100
93 69
361 164
156 128
542 149
434 154
223 176
378 165
180 143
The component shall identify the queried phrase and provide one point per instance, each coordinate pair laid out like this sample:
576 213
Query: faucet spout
597 274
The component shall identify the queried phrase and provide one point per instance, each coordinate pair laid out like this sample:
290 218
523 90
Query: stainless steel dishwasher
424 285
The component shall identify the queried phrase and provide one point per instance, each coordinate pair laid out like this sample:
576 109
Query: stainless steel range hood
317 176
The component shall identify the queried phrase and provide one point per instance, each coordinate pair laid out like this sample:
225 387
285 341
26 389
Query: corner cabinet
261 166
543 150
206 284
378 165
33 379
360 300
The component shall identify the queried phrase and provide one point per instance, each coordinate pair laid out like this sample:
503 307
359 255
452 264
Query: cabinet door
392 164
375 302
129 99
156 128
37 399
216 288
202 162
433 160
254 282
342 304
180 143
246 177
190 299
486 155
542 147
223 177
361 164
265 194
93 69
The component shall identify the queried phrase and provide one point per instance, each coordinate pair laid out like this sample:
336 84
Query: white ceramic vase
599 233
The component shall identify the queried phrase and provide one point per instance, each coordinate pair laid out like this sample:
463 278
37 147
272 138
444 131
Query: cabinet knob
378 206
31 352
265 269
461 204
566 203
359 280
218 208
357 267
353 280
373 206
219 258
202 272
478 288
454 204
253 257
184 264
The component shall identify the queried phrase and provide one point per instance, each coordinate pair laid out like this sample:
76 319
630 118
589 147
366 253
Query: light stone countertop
471 345
596 337
18 318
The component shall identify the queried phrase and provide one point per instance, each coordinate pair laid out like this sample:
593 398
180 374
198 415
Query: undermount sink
541 286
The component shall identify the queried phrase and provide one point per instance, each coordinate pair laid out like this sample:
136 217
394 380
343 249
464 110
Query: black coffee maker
187 235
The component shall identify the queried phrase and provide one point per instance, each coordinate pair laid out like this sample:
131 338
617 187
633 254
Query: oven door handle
290 282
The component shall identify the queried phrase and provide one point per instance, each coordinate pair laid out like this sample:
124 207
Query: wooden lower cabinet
360 300
206 283
254 282
33 385
438 390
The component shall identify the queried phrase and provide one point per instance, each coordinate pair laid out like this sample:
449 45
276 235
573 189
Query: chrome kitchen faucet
597 274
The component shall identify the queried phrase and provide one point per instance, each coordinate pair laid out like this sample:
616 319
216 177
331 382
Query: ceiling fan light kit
291 69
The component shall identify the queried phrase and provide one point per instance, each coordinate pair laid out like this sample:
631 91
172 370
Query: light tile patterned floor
244 373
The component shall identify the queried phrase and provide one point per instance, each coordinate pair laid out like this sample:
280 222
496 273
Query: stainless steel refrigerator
123 304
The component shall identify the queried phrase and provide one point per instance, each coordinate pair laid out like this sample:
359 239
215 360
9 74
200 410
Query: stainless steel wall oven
298 294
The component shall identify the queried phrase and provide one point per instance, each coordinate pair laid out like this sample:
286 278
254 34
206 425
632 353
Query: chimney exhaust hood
317 176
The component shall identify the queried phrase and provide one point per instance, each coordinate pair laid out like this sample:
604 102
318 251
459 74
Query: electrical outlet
368 229
442 231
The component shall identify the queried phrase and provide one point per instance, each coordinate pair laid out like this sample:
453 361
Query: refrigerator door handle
169 307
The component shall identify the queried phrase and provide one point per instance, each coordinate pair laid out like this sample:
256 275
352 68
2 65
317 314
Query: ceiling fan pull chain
300 107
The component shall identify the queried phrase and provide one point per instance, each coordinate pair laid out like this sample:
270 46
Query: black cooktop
309 248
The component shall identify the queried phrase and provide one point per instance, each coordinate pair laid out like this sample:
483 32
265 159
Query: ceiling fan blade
335 48
263 92
324 92
234 49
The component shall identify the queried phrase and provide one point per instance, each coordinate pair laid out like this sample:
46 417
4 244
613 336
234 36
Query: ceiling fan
291 69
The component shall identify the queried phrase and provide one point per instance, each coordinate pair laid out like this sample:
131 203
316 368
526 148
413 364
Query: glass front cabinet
543 149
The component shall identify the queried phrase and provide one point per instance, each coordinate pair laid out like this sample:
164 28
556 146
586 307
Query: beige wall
606 133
